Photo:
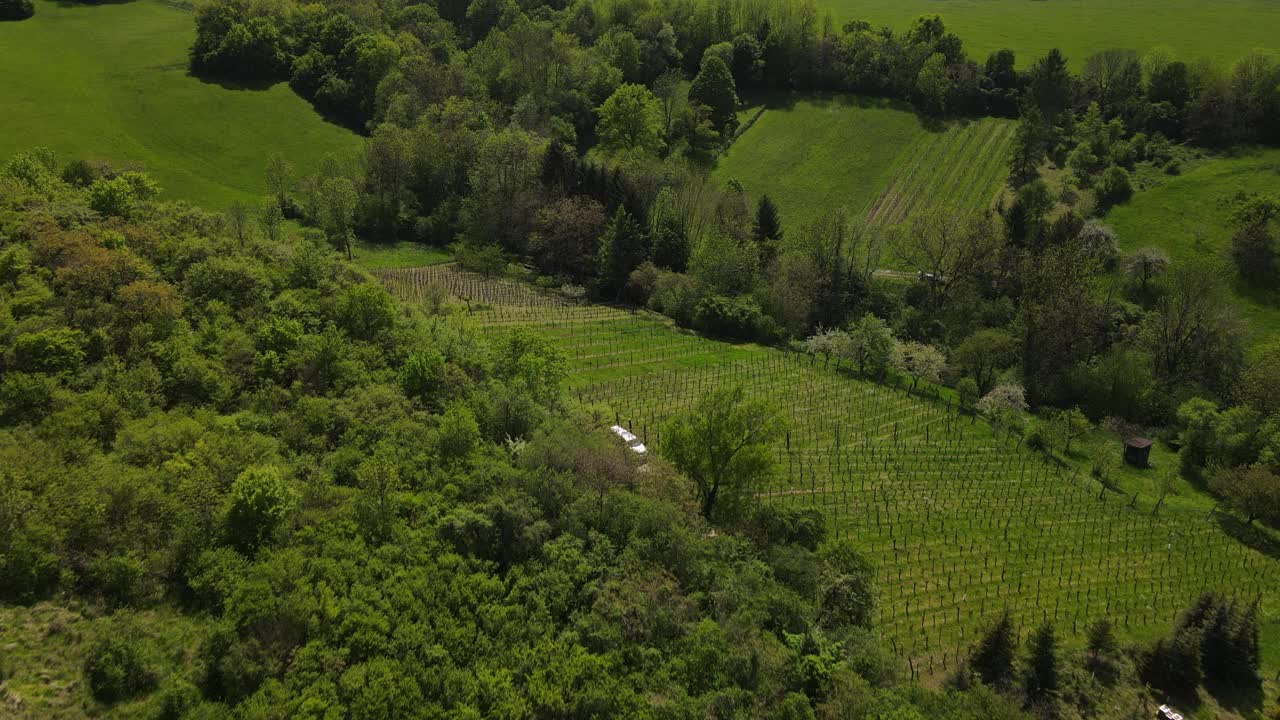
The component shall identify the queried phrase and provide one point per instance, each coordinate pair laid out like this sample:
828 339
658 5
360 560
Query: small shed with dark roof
1137 451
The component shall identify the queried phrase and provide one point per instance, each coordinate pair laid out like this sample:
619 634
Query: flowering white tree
1004 405
920 361
826 342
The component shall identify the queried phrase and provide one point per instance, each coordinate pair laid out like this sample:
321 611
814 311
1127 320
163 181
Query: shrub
114 668
1115 186
734 317
177 698
51 351
487 260
260 498
78 172
421 374
848 597
677 295
459 433
967 388
16 9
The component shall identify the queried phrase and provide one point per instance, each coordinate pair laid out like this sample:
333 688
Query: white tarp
631 440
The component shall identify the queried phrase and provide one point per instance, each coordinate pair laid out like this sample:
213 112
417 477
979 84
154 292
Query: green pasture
404 254
109 82
1221 31
1188 216
873 157
961 519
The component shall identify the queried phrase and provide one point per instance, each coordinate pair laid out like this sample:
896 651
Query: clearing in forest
109 82
1221 31
1188 216
871 156
961 520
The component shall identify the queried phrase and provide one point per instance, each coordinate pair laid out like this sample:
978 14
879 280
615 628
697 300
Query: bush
777 525
677 295
16 9
260 498
1115 186
422 374
848 596
734 317
486 260
78 172
114 668
967 388
177 698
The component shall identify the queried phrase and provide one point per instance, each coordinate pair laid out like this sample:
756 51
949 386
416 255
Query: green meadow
110 82
1188 216
1221 31
871 156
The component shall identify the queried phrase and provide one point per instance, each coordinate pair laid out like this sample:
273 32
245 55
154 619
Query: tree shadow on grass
226 83
1241 700
1249 535
787 100
90 3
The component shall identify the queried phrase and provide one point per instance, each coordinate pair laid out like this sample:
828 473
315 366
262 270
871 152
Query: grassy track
109 82
960 520
1188 217
869 156
1220 31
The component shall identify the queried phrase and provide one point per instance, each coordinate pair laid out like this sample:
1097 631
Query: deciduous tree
631 120
722 445
1253 491
714 88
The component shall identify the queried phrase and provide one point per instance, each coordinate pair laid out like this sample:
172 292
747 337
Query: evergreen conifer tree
622 249
1042 669
993 660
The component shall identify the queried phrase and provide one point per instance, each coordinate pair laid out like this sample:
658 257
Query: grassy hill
109 82
1221 31
1188 215
869 155
961 520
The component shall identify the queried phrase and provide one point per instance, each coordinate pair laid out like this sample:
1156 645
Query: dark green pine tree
557 168
1102 639
670 242
1042 666
993 660
768 224
622 248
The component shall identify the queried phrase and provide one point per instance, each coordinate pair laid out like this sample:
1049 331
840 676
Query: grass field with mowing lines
872 157
960 520
820 153
1188 216
1221 31
109 82
960 170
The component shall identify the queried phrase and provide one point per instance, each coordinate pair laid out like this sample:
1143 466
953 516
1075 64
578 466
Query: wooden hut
1137 451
